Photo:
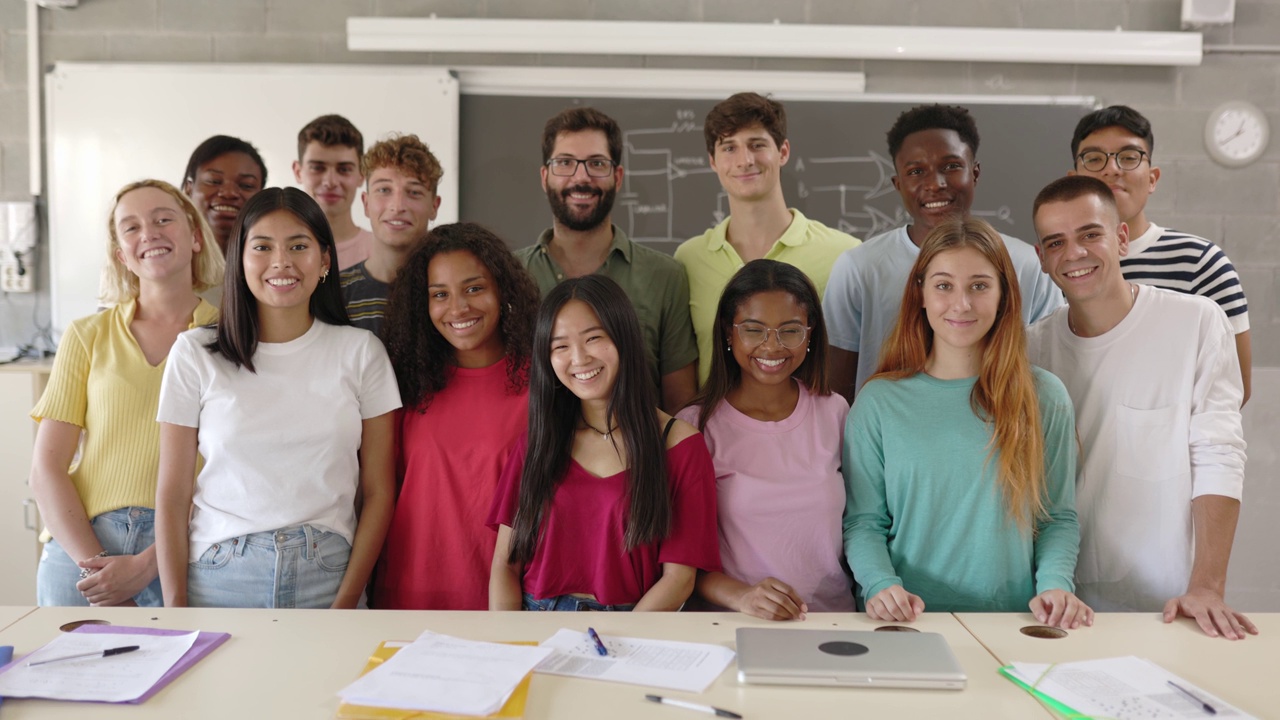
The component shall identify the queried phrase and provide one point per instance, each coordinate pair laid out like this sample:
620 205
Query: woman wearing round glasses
774 430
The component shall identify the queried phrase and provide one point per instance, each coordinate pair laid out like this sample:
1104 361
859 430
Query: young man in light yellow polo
747 143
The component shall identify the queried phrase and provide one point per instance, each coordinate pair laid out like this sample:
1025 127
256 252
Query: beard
577 221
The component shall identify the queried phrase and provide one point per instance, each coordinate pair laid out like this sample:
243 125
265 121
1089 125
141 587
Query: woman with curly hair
463 371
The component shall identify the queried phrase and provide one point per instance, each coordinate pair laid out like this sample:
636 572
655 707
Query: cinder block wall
1238 208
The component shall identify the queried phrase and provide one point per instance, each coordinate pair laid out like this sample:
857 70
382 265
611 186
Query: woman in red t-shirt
609 504
458 330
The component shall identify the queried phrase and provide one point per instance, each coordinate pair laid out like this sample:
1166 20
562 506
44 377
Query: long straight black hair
554 414
238 324
755 277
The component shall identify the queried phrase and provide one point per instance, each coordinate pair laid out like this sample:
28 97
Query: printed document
659 663
1124 688
446 674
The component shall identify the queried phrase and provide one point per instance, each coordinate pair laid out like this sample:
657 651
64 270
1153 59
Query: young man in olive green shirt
581 172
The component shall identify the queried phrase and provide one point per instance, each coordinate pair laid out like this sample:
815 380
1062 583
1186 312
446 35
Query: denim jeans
127 531
294 567
571 603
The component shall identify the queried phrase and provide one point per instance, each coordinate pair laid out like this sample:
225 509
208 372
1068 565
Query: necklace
604 435
1133 298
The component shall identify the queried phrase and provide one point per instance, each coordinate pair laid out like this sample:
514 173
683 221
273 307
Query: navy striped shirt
366 298
1188 264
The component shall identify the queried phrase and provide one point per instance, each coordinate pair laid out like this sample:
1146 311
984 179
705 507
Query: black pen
1203 705
96 653
718 712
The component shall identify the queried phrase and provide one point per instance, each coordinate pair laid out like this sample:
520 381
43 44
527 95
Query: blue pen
600 648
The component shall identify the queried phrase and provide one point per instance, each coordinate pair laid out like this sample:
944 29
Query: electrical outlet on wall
16 272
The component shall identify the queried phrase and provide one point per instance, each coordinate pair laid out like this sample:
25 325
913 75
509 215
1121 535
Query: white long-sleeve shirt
1157 403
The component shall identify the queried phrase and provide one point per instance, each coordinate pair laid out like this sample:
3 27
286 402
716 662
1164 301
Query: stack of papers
660 663
1124 688
439 673
119 678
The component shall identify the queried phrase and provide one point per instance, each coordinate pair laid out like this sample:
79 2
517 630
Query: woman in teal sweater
959 456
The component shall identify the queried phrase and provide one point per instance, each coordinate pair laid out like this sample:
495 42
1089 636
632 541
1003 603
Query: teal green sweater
923 507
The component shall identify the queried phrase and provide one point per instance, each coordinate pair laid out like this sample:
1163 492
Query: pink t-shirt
439 550
780 497
581 550
355 250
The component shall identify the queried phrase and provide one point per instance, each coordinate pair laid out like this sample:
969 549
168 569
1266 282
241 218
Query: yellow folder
513 709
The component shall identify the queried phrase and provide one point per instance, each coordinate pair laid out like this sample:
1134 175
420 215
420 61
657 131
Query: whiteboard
108 124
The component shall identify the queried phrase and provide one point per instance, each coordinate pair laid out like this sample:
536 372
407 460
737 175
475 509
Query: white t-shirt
864 292
1158 414
279 445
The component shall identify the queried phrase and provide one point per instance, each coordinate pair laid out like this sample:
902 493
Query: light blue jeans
294 567
127 531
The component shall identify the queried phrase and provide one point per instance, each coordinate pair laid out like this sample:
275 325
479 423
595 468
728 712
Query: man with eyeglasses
746 137
581 172
1115 145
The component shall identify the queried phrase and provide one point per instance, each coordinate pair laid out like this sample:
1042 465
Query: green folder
1049 702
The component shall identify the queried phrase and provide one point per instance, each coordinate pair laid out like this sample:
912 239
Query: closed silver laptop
847 658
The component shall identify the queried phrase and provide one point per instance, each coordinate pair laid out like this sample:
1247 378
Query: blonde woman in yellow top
99 536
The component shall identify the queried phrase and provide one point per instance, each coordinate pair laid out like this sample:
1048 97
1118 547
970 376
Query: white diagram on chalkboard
667 171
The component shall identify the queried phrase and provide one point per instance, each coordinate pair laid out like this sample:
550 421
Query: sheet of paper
1125 688
659 663
118 678
446 674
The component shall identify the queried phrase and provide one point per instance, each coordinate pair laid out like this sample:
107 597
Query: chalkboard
839 171
112 123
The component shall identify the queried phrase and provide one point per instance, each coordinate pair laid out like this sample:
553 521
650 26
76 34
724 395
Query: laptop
847 658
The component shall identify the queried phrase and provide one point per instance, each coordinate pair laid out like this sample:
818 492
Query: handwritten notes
118 678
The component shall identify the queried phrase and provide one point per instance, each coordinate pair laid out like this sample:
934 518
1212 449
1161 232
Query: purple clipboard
204 644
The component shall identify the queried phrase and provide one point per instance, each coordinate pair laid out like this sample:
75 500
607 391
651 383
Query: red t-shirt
439 550
582 549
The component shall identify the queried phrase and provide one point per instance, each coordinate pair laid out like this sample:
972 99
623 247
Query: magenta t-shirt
781 497
582 551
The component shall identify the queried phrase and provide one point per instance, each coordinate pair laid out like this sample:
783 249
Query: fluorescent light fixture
867 42
656 83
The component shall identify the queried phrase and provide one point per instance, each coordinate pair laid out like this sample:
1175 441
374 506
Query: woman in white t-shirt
775 430
291 409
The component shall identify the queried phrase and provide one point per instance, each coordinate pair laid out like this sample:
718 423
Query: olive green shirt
657 285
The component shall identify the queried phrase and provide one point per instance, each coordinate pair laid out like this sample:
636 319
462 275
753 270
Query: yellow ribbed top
102 383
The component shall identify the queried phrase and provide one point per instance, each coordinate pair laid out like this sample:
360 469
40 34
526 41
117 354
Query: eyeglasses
1096 160
754 334
567 166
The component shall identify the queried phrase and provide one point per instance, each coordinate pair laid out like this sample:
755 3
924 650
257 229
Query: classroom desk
10 615
1241 672
290 664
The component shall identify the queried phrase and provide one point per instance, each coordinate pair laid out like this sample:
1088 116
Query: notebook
847 658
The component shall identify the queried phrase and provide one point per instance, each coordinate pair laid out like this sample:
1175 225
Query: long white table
10 615
290 664
1242 672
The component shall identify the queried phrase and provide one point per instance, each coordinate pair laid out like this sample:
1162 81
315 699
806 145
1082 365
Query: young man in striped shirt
1115 145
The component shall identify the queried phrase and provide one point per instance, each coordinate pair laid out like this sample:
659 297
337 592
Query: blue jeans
294 567
127 531
571 603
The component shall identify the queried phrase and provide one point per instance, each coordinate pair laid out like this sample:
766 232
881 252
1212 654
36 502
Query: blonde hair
1004 395
120 285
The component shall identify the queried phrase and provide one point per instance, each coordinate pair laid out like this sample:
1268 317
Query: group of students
526 430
